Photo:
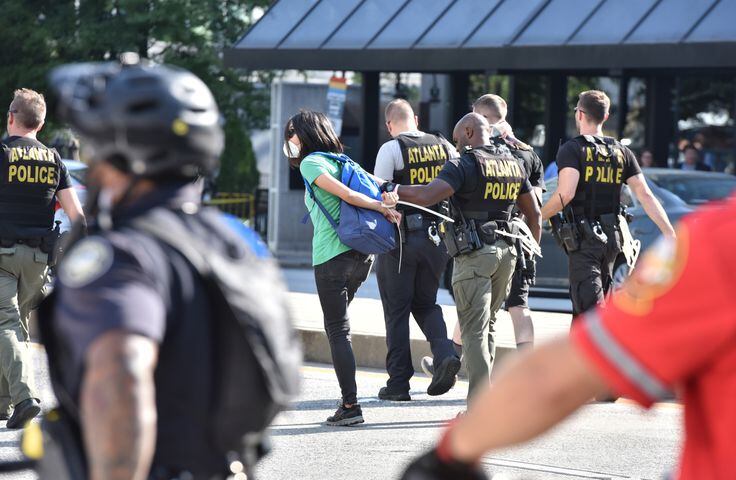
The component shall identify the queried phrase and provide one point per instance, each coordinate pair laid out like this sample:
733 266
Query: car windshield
79 174
697 190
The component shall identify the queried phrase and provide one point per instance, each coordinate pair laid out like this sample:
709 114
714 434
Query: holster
63 457
461 238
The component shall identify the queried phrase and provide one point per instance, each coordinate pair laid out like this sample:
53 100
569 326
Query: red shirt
673 327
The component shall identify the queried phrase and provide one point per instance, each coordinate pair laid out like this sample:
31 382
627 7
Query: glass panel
499 28
556 22
409 24
717 26
669 21
276 23
457 23
705 109
363 25
321 22
601 29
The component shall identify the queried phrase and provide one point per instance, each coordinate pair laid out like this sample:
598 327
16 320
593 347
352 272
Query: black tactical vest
602 164
30 177
500 181
423 159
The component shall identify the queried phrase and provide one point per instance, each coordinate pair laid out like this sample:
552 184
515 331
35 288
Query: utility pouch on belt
414 222
487 233
566 233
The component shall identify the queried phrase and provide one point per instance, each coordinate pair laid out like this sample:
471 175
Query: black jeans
591 270
337 281
414 291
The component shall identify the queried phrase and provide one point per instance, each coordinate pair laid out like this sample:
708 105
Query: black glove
529 273
430 467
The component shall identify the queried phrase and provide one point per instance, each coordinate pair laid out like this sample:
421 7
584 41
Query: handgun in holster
461 237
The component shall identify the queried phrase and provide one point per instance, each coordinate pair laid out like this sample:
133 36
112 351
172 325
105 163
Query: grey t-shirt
390 160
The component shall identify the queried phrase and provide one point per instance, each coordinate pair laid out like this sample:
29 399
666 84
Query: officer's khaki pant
22 276
481 281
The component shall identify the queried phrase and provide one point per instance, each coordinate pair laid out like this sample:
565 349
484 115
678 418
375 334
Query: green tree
41 34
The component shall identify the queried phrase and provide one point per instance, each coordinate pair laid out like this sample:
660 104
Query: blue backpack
366 231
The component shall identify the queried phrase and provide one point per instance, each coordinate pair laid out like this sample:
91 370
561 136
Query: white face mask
291 149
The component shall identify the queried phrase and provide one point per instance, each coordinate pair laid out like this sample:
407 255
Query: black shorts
519 292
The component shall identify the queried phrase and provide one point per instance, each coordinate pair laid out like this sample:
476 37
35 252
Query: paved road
603 441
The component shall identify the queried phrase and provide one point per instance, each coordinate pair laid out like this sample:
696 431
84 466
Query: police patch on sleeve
85 263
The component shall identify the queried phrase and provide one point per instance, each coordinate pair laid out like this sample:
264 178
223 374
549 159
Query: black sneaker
427 365
345 417
385 394
444 377
24 411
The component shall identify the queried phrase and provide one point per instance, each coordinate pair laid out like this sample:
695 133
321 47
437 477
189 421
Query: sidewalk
368 330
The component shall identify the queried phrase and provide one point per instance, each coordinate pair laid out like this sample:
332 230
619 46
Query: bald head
473 130
400 117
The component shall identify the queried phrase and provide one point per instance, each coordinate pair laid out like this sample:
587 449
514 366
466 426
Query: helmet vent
144 106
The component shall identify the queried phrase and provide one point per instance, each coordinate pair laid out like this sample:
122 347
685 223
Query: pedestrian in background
646 159
34 178
692 159
338 270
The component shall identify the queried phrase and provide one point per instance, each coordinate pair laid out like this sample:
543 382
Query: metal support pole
369 126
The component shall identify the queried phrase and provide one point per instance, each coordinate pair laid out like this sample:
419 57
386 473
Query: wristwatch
389 187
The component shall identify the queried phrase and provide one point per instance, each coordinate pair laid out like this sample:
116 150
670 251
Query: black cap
147 118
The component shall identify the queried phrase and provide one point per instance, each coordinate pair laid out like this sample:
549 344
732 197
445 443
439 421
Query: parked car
678 191
78 174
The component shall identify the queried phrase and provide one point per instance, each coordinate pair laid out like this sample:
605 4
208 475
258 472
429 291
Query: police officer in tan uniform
33 178
484 184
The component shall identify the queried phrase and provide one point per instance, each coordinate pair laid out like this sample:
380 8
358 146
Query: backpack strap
341 159
319 204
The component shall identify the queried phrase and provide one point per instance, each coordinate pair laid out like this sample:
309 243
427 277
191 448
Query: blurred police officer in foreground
34 177
485 183
134 328
592 171
652 338
409 277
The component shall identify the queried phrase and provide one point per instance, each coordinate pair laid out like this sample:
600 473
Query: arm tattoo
118 407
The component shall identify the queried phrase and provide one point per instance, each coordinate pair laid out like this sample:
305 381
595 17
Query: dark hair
595 104
315 133
691 146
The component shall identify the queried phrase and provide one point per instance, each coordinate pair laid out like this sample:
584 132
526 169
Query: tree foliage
40 34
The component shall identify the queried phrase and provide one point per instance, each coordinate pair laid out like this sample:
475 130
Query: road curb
370 350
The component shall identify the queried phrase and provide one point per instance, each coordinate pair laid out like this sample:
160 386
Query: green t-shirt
325 243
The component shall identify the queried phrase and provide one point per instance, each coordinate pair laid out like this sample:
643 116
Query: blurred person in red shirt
672 327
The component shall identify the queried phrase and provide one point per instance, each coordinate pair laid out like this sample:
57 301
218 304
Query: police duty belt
419 207
528 244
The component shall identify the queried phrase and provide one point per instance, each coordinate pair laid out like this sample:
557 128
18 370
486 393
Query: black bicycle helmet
150 119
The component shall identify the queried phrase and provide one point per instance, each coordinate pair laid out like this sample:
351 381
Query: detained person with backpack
311 144
169 343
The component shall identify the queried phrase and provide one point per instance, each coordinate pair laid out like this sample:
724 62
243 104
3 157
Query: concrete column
660 117
556 115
